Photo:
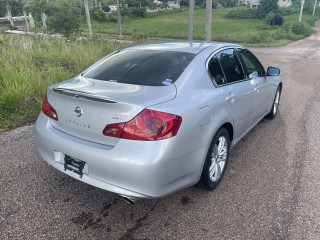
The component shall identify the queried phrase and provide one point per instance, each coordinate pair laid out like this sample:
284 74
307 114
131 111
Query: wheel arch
280 86
228 126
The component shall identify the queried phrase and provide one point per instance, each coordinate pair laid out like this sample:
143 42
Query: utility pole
119 20
301 10
86 6
314 7
44 19
10 15
207 36
191 14
26 19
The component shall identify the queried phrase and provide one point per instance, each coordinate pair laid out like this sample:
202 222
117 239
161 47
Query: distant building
173 4
113 8
255 3
157 2
284 3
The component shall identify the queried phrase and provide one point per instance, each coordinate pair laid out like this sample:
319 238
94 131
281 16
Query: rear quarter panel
201 106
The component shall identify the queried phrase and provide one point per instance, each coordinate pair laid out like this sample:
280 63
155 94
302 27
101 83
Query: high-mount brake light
48 110
148 125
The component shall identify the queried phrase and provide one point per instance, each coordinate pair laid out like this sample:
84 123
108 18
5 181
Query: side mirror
273 71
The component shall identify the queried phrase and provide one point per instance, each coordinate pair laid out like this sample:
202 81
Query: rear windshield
142 67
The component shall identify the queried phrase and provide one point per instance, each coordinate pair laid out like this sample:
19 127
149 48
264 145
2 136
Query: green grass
30 64
175 25
250 32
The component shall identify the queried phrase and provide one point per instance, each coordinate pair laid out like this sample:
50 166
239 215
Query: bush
166 12
63 21
242 12
286 27
285 11
138 37
99 15
16 8
106 8
3 40
112 17
299 28
139 12
12 27
295 30
134 12
267 6
268 18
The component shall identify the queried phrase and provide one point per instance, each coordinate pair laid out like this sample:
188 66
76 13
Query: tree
37 8
184 3
64 17
228 3
267 6
307 8
138 3
200 3
16 7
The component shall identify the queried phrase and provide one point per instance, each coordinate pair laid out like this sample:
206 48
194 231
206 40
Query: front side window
252 64
142 67
231 65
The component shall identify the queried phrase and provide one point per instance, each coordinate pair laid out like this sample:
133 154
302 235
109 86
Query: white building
284 3
255 3
173 4
113 8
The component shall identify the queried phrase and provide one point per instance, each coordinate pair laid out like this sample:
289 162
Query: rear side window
216 71
142 67
230 64
253 66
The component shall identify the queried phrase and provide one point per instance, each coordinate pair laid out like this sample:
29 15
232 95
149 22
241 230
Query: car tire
275 106
216 160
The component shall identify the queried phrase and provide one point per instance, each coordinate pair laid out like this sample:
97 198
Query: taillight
48 110
147 125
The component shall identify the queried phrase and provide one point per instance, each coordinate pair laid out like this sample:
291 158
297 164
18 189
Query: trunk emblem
78 111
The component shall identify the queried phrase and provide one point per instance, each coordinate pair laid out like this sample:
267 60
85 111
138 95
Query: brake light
48 110
148 125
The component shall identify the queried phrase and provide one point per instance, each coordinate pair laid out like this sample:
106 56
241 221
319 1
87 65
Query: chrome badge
78 111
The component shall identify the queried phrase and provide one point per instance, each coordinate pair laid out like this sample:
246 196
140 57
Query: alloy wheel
218 159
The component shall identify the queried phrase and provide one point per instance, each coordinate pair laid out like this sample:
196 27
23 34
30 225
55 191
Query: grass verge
30 64
249 32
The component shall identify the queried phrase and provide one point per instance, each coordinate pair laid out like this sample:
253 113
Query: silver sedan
149 120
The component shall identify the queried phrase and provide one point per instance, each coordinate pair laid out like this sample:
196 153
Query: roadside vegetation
247 31
30 64
234 24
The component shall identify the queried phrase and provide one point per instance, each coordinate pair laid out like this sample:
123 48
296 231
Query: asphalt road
271 189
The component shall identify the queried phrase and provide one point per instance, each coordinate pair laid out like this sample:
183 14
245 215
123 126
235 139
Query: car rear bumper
139 169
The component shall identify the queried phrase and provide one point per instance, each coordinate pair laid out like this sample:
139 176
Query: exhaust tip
129 200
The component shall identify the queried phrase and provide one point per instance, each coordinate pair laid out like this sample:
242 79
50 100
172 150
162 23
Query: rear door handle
230 97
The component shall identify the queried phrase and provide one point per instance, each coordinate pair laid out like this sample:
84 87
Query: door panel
263 88
262 98
228 73
239 103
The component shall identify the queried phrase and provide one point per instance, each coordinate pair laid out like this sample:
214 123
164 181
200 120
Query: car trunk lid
85 106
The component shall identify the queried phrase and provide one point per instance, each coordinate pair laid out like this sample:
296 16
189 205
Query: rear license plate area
74 165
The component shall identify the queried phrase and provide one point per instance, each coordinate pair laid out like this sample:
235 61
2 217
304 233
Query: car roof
191 47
